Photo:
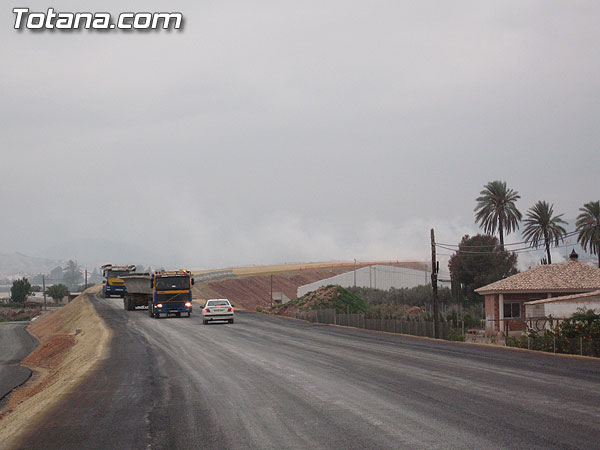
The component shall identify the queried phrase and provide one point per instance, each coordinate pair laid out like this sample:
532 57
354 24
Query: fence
213 276
584 346
414 328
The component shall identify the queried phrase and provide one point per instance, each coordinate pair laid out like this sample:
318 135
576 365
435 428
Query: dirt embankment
72 341
253 289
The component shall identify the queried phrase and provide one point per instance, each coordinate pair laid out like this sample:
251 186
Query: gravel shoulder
72 340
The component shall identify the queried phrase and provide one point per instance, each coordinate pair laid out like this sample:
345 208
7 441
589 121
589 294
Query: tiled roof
586 296
569 276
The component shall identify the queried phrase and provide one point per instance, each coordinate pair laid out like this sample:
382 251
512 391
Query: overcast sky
274 131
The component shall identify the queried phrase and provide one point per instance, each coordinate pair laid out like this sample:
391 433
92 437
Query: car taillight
230 310
188 304
207 310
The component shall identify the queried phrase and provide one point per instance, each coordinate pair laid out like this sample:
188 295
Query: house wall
492 313
538 310
564 310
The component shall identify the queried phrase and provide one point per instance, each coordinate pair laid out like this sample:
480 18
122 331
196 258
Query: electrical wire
518 250
567 235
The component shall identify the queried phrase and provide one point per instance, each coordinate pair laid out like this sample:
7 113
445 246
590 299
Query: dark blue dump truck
113 284
163 293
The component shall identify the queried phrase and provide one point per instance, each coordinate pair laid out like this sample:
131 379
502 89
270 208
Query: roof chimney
573 256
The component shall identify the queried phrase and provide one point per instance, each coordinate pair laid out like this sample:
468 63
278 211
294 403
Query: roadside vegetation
578 335
57 292
415 304
20 290
378 307
327 297
14 312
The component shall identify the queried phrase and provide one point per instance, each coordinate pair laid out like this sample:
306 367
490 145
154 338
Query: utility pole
85 279
375 275
44 291
271 290
434 278
354 272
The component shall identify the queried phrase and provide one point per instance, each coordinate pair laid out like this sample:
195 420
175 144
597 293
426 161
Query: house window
512 310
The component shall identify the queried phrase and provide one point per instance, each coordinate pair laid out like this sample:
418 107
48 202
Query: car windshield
217 303
172 283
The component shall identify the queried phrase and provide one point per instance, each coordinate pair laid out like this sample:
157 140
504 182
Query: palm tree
588 226
496 209
541 227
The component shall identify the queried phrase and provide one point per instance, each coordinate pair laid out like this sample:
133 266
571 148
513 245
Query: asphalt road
15 344
271 383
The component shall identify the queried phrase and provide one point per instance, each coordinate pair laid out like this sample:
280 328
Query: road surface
15 344
271 383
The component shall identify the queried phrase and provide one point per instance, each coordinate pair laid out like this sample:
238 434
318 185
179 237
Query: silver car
217 309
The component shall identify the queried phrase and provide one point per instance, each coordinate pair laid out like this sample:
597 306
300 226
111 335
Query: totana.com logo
51 20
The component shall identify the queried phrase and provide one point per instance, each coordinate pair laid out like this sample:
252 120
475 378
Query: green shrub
454 335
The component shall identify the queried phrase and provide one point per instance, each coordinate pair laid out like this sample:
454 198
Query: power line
518 250
569 234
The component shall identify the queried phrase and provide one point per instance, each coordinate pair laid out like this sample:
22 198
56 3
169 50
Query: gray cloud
278 131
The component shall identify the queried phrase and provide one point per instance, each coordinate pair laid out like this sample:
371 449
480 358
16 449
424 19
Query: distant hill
95 252
18 264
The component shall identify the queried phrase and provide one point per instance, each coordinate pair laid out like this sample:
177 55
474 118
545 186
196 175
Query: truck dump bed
138 283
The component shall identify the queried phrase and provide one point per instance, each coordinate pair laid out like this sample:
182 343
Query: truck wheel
204 321
230 320
189 314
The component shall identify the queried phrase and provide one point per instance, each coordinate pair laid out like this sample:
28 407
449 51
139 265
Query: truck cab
113 284
171 293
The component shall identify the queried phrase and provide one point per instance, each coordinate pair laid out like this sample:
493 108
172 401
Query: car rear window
218 303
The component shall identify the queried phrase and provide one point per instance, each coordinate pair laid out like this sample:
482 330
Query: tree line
483 259
496 211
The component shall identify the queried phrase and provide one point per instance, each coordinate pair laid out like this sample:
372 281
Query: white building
377 277
562 307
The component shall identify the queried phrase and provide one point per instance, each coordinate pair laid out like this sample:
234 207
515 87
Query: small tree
480 260
20 290
57 292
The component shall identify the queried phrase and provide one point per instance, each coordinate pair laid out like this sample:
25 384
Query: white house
562 307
